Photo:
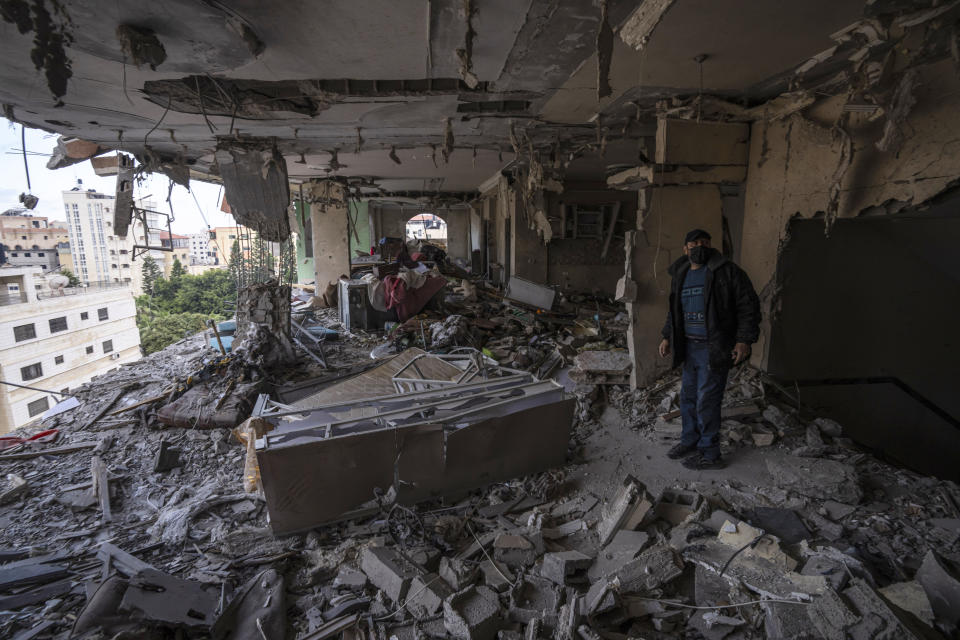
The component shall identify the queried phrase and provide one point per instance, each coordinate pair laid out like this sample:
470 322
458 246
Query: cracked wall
794 162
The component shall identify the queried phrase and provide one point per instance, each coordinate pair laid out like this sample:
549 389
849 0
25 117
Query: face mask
699 255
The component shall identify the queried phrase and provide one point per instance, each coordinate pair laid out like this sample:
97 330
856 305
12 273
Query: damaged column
331 231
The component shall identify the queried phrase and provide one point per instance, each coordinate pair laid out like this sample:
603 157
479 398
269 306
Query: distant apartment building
97 254
222 239
27 240
202 251
56 341
176 247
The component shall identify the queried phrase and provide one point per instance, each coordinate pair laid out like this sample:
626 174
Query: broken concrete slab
942 587
168 457
537 595
16 487
514 550
625 546
427 594
257 610
388 571
878 619
616 363
255 184
457 573
650 570
834 571
756 573
817 478
566 567
497 576
627 510
755 542
472 614
910 596
831 616
159 597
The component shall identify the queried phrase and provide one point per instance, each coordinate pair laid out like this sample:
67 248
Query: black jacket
732 310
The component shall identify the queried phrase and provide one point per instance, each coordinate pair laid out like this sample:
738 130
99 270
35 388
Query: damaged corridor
464 434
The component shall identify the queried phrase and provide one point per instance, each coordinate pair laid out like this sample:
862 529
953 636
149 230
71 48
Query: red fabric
12 441
408 302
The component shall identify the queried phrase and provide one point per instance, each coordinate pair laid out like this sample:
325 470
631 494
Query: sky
48 184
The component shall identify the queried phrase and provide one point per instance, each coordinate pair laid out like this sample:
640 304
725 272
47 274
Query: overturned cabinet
427 425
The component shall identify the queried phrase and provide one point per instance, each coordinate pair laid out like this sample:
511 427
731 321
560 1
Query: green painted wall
305 272
359 215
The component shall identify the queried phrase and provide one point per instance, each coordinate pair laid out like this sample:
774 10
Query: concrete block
566 567
650 570
675 505
351 579
427 594
626 511
472 614
497 575
535 598
834 571
514 550
831 616
788 622
388 571
457 573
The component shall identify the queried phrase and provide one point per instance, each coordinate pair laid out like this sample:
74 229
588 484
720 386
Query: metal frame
141 215
477 364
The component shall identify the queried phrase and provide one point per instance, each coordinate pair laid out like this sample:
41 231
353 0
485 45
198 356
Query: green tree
177 271
235 266
74 280
151 274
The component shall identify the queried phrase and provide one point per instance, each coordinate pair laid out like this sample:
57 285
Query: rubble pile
116 524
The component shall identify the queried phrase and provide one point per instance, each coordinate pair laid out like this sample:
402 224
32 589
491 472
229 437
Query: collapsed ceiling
431 97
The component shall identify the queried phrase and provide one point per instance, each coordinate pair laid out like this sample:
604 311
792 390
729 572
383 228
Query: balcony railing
91 287
12 298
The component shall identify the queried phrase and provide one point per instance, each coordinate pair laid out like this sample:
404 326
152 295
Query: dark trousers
700 398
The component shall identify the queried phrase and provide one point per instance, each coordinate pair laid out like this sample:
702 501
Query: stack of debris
437 495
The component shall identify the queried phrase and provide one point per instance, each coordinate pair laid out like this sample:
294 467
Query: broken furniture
425 425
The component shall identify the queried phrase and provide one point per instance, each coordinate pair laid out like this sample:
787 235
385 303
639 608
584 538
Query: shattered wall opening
863 325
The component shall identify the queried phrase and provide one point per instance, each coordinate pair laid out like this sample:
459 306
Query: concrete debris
400 518
472 614
255 184
566 567
818 478
942 587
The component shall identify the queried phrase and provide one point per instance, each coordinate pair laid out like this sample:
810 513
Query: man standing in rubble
714 317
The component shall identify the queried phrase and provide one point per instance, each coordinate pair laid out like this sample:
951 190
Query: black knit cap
696 234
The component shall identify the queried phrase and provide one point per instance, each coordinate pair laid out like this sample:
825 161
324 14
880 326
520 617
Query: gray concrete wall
876 299
793 163
576 264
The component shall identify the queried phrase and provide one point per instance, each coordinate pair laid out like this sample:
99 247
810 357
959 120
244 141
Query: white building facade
56 342
201 252
100 256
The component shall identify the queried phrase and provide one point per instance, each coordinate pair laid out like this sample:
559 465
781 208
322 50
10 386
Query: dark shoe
699 463
681 450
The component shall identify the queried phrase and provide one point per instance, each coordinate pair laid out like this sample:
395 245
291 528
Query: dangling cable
23 148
